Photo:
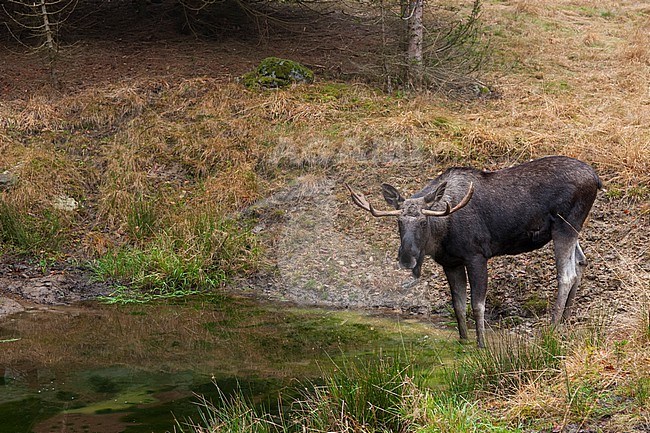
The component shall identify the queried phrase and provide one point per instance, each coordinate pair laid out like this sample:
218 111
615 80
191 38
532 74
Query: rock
9 306
65 203
274 72
7 180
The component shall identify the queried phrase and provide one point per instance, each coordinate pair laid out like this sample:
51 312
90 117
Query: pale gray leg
580 265
566 257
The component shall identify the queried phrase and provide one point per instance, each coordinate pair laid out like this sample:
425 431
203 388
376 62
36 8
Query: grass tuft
507 364
141 220
30 234
196 255
370 392
233 414
444 413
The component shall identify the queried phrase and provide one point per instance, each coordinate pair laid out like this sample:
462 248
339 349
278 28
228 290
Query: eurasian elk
503 212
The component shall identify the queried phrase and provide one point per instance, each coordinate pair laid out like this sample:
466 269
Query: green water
103 369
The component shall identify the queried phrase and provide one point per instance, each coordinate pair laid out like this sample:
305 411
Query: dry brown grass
570 76
580 87
605 381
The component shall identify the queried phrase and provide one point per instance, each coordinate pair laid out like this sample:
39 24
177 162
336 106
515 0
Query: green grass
233 414
640 391
30 233
373 393
14 227
198 255
141 220
507 364
447 413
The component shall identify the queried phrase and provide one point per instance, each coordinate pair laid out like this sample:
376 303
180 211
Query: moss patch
274 72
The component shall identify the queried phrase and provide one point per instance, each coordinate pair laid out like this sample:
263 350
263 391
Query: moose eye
423 223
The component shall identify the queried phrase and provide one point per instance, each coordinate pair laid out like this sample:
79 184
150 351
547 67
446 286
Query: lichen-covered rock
65 203
275 72
7 180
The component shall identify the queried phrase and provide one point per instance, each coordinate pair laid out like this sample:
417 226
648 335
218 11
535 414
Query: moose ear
436 195
391 195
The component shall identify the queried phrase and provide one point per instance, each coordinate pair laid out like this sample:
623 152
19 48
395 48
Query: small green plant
141 219
555 87
620 349
614 192
535 305
446 413
44 263
583 399
641 391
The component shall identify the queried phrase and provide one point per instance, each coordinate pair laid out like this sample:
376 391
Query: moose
504 212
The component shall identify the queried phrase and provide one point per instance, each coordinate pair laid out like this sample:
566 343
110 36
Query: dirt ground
109 42
320 250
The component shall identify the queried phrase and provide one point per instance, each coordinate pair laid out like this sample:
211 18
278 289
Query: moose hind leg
580 265
567 252
478 278
457 279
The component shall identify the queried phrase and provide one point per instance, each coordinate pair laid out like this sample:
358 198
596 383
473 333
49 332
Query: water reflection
98 368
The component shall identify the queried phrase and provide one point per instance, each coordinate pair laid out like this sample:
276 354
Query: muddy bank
24 286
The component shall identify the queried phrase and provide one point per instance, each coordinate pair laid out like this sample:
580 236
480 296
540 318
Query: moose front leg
457 278
478 278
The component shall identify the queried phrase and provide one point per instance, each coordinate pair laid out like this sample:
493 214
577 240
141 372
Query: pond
138 368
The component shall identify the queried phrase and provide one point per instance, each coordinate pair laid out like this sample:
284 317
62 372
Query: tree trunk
49 44
415 42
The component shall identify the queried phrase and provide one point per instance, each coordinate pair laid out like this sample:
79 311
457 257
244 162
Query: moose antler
360 200
449 210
